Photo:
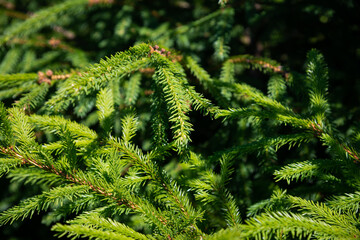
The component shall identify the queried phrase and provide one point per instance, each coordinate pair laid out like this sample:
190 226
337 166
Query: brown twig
94 2
7 5
316 128
274 68
70 177
54 43
49 76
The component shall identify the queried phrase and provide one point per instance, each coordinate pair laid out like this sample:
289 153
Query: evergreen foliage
153 137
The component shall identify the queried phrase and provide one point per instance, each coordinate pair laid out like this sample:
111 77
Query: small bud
54 42
49 73
41 75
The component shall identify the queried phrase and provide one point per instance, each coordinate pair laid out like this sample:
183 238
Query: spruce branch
15 80
10 60
321 212
273 105
42 18
307 170
227 72
199 102
317 75
34 176
338 146
34 98
52 43
75 231
6 132
159 118
41 202
284 224
101 165
275 109
173 193
133 89
279 201
205 79
195 24
265 142
221 49
50 123
276 87
228 233
169 77
76 176
349 202
22 129
98 77
199 72
105 106
210 189
8 163
15 92
129 123
262 64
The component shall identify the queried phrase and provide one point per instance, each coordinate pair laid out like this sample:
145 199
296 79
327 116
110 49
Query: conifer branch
98 76
189 175
34 98
334 144
317 75
8 163
133 89
6 133
221 49
50 123
105 105
345 203
75 231
211 189
307 170
319 211
227 72
265 142
276 87
42 19
159 118
198 23
199 102
21 128
52 43
283 224
273 105
42 202
129 124
75 177
279 201
13 80
176 197
11 58
34 175
167 76
206 80
16 91
262 64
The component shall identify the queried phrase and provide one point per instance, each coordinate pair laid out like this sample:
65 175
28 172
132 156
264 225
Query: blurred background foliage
283 30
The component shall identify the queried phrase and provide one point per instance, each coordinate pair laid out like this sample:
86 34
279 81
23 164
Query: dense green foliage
176 120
